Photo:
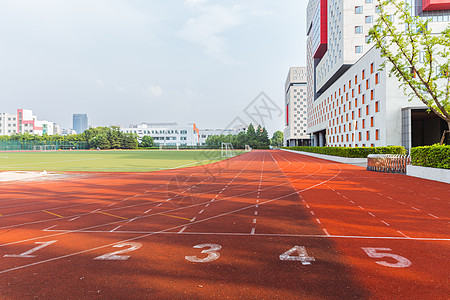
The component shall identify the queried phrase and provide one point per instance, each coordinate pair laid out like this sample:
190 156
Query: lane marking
201 211
360 207
312 213
53 214
193 219
176 217
50 227
256 213
433 216
112 230
147 211
372 214
101 212
253 231
415 208
326 232
402 234
74 218
182 229
254 221
318 221
385 223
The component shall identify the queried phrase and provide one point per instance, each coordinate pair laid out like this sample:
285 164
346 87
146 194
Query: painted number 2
402 262
212 253
301 256
115 255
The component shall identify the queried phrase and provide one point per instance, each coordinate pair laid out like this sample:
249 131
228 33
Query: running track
266 224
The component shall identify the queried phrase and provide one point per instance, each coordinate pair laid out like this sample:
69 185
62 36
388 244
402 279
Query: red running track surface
266 224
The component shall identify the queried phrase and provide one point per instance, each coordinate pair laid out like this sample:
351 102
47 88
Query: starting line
255 234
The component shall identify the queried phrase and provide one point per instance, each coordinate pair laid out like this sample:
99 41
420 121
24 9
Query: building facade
295 108
25 122
166 134
352 102
205 133
80 122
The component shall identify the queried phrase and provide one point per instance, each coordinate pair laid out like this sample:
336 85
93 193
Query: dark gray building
80 122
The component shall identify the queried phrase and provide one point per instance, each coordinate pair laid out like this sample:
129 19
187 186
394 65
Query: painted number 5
402 262
212 253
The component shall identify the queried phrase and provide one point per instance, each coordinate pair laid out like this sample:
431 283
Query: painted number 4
301 256
402 262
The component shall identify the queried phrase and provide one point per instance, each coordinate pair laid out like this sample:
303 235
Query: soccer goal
49 147
227 150
38 148
248 148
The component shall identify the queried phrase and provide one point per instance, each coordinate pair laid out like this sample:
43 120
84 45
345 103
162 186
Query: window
360 136
358 49
371 68
358 29
371 95
369 19
377 134
367 110
377 78
369 1
358 10
377 107
367 39
371 122
367 84
377 9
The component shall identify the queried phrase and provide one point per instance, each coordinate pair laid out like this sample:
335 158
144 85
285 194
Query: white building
166 134
25 122
205 133
351 102
295 108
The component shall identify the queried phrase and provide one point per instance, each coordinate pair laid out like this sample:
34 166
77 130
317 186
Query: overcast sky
130 61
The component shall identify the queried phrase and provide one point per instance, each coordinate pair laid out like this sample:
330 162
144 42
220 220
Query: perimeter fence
42 145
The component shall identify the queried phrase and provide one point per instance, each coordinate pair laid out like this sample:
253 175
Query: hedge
436 156
362 152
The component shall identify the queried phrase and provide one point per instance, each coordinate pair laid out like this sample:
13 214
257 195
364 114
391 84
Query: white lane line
352 202
50 227
326 232
131 220
182 229
95 210
403 203
360 207
307 206
415 208
147 211
312 213
74 218
112 230
318 221
390 198
372 214
433 216
344 197
207 205
254 221
256 213
159 205
201 211
385 223
253 231
193 219
402 234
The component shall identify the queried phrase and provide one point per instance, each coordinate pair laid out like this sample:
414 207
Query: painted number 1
28 253
402 262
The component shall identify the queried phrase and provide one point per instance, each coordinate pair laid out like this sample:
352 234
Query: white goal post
227 150
248 148
49 147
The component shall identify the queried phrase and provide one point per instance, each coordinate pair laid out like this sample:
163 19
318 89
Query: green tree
130 141
419 58
100 141
277 138
147 141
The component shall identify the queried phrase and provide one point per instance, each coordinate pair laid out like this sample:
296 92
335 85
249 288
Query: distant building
80 122
166 134
25 122
205 133
295 108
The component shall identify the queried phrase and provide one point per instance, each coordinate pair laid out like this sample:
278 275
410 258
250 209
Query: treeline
257 139
99 137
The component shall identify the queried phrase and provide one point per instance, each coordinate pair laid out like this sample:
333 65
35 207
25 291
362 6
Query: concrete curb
360 162
441 175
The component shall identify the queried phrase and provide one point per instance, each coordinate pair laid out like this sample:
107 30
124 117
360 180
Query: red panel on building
428 5
320 51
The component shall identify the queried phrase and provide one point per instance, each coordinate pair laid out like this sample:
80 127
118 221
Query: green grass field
107 161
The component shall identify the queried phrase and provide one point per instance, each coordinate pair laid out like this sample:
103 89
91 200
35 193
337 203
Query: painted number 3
402 262
211 252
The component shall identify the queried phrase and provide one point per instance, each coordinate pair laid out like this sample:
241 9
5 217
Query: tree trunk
445 133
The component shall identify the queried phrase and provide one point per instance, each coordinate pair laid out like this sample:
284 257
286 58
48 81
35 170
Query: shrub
436 156
362 152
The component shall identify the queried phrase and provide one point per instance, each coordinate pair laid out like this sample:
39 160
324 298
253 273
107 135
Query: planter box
442 175
361 162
